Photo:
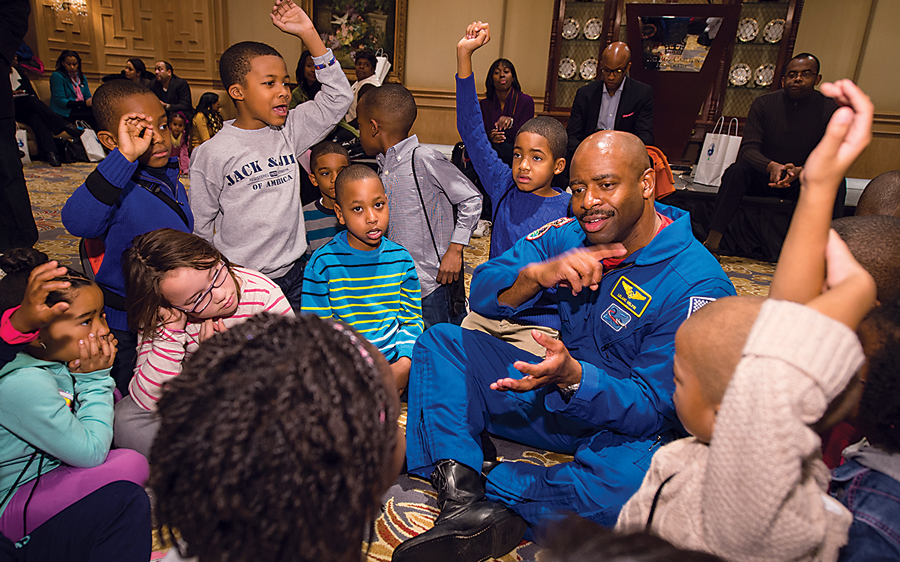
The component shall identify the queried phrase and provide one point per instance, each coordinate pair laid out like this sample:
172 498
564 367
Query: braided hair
268 453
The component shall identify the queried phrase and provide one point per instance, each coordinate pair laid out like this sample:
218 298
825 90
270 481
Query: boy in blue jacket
133 191
522 197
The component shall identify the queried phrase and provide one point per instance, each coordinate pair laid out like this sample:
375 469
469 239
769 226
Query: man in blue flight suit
629 273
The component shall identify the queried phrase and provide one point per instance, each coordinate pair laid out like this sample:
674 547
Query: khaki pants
510 331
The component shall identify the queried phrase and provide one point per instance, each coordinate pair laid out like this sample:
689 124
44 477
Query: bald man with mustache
628 272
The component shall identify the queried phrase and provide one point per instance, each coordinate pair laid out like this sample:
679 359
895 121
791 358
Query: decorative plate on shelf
567 68
773 31
592 29
570 29
740 74
589 69
764 75
747 30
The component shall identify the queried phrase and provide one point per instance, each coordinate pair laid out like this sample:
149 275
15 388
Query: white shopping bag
22 143
382 66
92 147
719 151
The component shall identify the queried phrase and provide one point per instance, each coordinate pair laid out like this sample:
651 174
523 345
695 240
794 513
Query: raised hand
135 135
290 18
95 354
558 367
477 35
34 313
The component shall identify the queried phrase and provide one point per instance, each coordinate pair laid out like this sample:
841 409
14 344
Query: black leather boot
53 159
469 528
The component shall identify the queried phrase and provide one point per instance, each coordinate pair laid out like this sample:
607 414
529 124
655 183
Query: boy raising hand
245 181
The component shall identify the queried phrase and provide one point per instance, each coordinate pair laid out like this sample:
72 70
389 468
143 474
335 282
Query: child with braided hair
269 454
182 291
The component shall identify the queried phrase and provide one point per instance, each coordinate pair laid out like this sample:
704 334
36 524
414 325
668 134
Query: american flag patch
696 303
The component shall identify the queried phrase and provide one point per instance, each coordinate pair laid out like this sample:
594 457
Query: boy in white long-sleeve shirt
245 181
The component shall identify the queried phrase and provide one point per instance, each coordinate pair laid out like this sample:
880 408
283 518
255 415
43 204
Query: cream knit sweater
758 491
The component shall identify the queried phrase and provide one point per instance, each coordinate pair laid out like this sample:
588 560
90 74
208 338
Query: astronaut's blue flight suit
623 335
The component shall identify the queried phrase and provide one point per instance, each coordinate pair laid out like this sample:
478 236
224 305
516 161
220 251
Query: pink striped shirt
159 359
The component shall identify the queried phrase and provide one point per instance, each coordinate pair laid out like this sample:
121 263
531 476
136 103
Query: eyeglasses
612 72
806 75
205 299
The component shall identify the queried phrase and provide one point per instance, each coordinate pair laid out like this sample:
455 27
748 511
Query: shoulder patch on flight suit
696 303
543 230
632 297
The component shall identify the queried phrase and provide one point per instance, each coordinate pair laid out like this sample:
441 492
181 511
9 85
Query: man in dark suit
172 91
17 228
626 104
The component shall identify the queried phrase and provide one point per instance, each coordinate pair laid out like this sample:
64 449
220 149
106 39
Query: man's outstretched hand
558 367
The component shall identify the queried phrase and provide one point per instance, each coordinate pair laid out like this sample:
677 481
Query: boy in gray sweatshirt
245 181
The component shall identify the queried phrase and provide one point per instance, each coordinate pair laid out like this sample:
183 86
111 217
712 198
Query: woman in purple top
505 108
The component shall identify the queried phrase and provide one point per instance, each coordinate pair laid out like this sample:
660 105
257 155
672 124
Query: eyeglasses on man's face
806 75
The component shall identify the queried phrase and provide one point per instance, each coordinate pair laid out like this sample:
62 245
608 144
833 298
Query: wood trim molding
446 99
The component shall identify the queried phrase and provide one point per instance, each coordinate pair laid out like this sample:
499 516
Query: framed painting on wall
348 26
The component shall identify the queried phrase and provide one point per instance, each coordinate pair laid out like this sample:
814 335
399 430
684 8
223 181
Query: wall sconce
70 8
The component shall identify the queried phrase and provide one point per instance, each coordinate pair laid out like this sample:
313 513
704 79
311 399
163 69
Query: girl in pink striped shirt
182 291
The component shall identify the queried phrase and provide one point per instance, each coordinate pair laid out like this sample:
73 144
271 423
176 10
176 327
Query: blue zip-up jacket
623 334
109 205
516 213
45 408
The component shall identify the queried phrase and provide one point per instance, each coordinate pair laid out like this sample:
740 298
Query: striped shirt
159 359
376 292
321 226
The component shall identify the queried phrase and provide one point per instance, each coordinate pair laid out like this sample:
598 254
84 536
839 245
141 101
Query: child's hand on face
135 135
211 327
290 18
172 318
849 132
34 313
477 35
94 354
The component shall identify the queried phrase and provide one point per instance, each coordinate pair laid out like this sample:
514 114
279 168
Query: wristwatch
569 391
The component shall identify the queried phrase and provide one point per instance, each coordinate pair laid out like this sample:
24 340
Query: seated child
522 198
868 483
269 454
326 160
751 376
245 183
881 196
182 291
207 120
423 188
364 279
56 415
134 190
181 140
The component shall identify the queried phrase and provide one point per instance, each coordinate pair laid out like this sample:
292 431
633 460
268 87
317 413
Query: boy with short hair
245 183
752 375
423 188
362 278
326 160
133 191
522 197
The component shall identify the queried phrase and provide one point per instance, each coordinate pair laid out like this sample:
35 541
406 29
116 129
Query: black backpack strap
422 201
154 188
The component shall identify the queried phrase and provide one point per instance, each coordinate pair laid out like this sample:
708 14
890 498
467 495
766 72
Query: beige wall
249 20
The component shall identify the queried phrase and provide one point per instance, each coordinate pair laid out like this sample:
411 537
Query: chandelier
77 7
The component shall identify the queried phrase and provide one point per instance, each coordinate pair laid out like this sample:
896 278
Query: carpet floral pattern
410 506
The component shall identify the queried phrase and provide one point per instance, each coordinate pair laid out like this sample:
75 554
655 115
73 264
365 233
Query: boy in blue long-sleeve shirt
364 279
522 197
133 191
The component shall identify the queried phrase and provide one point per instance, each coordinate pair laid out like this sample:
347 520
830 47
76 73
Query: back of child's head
490 87
881 196
264 453
392 105
349 175
326 147
17 265
150 257
879 407
711 342
108 106
550 129
235 62
578 540
874 240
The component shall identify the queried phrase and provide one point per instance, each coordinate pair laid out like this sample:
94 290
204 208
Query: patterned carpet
410 506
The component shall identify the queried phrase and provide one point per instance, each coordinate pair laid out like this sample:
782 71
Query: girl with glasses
182 291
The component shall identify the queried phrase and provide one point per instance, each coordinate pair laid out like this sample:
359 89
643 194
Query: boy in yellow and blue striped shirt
364 279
